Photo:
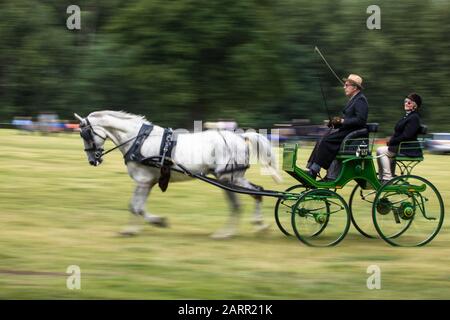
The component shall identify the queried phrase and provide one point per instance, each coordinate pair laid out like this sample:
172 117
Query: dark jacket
355 116
355 113
406 129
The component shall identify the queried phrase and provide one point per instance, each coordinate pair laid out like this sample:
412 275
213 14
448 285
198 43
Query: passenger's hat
416 98
355 79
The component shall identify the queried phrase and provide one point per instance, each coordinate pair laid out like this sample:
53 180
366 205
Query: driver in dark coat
354 118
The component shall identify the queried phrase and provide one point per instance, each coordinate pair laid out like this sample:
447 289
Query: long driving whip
328 65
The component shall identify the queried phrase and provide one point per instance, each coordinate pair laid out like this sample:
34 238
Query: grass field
57 211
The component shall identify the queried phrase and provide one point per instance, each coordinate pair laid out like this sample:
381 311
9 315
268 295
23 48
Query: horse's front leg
137 206
137 209
152 218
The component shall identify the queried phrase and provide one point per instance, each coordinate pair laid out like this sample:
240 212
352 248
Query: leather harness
165 151
134 153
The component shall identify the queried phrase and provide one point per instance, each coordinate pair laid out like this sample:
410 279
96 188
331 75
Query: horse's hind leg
231 227
258 219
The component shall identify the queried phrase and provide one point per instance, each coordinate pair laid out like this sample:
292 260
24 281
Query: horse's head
94 139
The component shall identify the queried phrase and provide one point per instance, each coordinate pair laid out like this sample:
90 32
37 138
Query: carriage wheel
360 203
283 210
408 211
320 218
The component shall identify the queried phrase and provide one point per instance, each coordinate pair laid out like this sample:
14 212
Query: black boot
312 174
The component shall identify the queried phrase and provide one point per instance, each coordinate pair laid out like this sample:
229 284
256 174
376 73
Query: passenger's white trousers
386 163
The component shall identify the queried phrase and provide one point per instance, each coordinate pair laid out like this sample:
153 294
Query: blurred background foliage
253 60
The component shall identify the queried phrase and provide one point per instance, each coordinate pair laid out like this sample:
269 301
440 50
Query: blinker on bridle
87 133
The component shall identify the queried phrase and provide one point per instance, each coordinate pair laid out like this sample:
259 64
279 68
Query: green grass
56 211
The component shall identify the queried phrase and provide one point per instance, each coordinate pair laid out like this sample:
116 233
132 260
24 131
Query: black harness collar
163 161
134 153
165 150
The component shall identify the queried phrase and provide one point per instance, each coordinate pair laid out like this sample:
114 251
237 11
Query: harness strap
166 144
134 153
234 168
165 150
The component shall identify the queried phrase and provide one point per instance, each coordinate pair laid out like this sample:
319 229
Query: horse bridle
87 132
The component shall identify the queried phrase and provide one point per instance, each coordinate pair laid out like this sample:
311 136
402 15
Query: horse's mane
118 114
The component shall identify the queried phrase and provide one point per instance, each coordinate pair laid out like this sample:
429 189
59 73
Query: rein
124 143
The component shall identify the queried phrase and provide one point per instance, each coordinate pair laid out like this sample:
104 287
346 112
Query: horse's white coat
202 152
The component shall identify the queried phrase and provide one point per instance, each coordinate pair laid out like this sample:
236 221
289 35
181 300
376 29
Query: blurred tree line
253 60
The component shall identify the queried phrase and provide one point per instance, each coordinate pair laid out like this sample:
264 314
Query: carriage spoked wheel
320 218
283 209
408 211
360 204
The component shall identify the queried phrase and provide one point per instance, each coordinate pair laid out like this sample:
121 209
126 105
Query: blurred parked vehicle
300 129
45 123
23 123
48 122
438 143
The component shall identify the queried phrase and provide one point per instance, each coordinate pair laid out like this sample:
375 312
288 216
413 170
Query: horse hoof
223 234
129 232
262 228
161 223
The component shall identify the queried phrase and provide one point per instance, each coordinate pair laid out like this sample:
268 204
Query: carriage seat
408 145
351 141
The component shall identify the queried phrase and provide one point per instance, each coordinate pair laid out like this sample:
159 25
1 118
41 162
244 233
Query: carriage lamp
362 150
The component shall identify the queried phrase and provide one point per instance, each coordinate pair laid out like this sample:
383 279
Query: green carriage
406 211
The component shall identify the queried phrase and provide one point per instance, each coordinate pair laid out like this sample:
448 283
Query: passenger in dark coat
406 129
354 118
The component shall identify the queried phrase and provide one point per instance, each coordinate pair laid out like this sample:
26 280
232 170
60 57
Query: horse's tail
261 147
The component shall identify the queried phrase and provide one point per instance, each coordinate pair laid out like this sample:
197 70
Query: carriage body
406 211
353 167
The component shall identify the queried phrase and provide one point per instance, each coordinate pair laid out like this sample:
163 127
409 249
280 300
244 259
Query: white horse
206 152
